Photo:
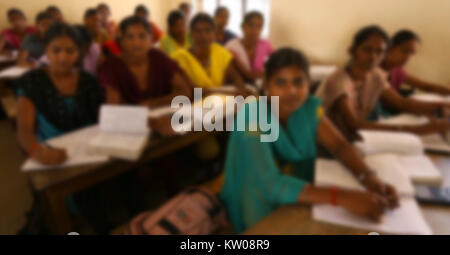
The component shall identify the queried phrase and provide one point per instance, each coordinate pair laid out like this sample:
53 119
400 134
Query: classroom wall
323 29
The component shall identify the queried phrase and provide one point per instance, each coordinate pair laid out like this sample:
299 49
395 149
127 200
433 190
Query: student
251 51
350 95
223 35
177 37
104 13
143 12
186 9
19 29
255 185
57 99
33 47
5 47
55 14
92 22
141 75
206 63
403 46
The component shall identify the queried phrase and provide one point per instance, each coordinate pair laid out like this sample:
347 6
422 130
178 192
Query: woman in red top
18 30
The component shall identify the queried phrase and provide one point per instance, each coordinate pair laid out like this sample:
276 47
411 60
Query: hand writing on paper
365 204
375 185
50 156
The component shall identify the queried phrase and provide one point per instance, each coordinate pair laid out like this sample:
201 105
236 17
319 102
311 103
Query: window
238 8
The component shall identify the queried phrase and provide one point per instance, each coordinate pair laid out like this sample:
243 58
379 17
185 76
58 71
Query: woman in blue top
254 183
57 99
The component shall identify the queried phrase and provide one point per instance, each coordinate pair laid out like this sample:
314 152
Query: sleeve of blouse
106 76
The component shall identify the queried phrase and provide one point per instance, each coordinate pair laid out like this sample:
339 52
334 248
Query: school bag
196 211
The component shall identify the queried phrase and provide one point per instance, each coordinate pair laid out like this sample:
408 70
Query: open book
124 132
406 152
13 72
407 219
76 147
432 142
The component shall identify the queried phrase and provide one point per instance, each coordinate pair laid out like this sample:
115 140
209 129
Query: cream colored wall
323 29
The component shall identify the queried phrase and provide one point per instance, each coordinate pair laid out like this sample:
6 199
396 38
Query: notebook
431 142
124 132
407 219
406 150
331 173
76 147
13 72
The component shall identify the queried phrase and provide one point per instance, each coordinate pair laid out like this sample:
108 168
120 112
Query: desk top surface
298 220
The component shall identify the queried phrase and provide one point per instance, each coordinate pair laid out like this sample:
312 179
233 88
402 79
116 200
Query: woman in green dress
255 183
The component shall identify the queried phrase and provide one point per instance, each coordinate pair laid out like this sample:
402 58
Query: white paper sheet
13 72
332 173
76 145
124 119
321 72
421 170
389 142
407 219
405 120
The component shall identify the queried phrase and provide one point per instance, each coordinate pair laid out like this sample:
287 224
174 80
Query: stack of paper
123 132
76 147
13 72
319 73
407 219
406 150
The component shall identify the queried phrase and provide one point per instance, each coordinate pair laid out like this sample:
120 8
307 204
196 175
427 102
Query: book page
389 142
407 219
76 145
124 119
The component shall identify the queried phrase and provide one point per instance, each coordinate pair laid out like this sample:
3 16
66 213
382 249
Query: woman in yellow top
177 37
207 63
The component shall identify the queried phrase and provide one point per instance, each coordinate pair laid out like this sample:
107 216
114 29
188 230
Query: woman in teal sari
255 184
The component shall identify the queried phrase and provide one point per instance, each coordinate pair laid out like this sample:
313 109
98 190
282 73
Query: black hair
84 34
53 8
402 36
60 29
250 15
184 5
134 20
219 10
90 12
174 16
364 33
141 8
15 11
103 5
202 17
286 57
41 16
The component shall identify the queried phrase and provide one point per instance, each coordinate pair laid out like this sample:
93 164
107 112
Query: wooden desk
54 186
298 220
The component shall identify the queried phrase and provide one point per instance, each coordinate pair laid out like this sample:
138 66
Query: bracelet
333 196
33 148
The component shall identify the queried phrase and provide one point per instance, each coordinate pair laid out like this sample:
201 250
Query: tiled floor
15 194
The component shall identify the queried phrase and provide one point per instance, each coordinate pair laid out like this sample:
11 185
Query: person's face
252 29
136 41
178 29
291 85
221 19
186 10
203 34
103 14
42 26
400 55
142 14
62 54
92 22
57 16
18 22
370 53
